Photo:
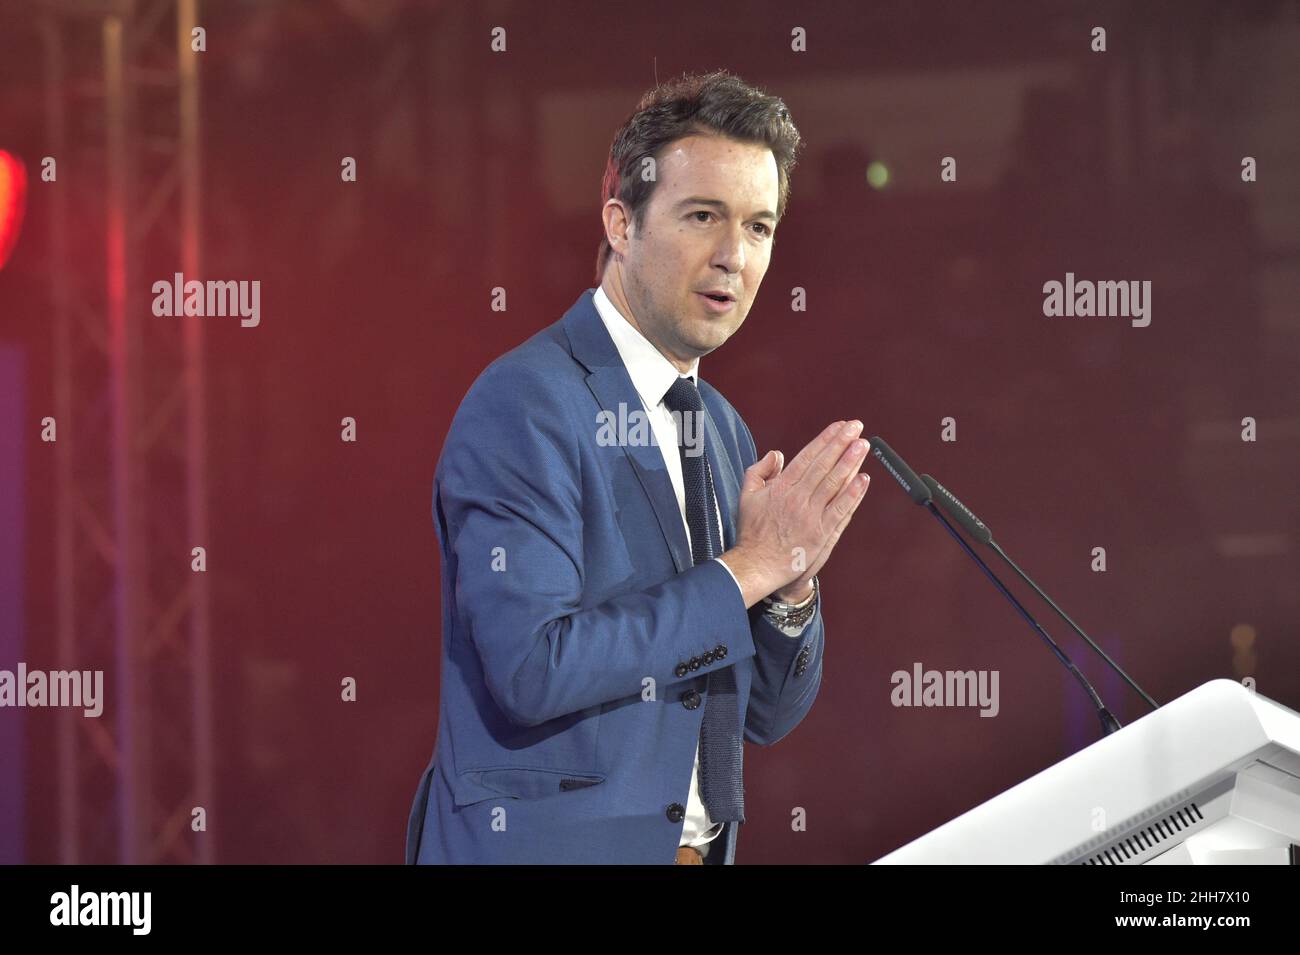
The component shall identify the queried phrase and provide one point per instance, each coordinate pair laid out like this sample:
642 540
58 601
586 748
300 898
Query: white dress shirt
652 375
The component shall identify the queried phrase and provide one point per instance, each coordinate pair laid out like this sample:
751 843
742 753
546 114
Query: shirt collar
652 374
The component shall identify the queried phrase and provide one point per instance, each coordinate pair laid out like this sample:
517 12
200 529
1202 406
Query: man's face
708 226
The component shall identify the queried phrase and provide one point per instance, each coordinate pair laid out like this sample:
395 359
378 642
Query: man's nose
730 253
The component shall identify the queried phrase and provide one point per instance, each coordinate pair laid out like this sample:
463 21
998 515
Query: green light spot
877 175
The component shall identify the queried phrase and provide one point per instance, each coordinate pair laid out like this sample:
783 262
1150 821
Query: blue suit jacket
573 620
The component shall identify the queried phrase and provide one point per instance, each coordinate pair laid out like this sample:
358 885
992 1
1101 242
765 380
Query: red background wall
479 170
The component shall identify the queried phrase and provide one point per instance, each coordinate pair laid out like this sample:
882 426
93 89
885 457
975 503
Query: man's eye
766 230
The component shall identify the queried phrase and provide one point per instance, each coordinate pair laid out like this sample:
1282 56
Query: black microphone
981 532
905 476
922 493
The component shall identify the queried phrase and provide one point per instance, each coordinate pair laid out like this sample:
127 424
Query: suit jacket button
691 700
708 657
695 663
676 812
681 670
720 652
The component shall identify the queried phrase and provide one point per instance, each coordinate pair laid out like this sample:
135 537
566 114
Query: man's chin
710 343
717 333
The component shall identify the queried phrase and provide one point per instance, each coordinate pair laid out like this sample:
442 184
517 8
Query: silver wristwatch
792 616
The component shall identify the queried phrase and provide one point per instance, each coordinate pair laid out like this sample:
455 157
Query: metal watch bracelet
793 615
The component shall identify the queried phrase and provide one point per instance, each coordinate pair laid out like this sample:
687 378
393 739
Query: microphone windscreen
904 475
958 511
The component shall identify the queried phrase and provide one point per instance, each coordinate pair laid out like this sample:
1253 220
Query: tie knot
684 396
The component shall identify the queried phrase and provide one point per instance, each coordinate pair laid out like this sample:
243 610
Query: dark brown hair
716 102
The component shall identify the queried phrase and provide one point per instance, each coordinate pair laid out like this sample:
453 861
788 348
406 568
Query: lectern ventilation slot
1149 837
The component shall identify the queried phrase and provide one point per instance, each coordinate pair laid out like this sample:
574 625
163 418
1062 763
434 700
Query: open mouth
717 298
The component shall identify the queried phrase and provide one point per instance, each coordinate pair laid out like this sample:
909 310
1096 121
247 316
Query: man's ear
618 225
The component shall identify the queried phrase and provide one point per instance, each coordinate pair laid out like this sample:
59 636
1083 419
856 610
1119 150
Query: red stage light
13 195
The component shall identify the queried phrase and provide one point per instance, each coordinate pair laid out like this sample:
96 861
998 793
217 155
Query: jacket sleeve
787 676
508 498
787 670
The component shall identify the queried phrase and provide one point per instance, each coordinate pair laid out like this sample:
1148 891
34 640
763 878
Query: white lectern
1212 777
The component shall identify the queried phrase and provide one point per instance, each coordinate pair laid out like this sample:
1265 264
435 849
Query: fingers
769 465
844 507
826 458
804 458
847 500
762 470
845 468
754 475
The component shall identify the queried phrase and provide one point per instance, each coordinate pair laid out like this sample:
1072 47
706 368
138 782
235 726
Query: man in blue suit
628 591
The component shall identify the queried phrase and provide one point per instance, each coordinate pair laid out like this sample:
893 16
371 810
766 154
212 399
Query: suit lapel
724 478
612 385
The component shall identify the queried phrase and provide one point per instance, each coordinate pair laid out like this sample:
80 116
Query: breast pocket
521 782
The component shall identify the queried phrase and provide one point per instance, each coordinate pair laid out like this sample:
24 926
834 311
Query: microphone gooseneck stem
1108 721
981 532
1077 629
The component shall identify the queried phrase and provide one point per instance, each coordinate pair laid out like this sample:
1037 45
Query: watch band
793 615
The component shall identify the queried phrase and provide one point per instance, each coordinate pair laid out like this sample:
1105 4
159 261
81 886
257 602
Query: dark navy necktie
720 742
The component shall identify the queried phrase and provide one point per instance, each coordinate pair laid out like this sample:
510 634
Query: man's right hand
791 518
